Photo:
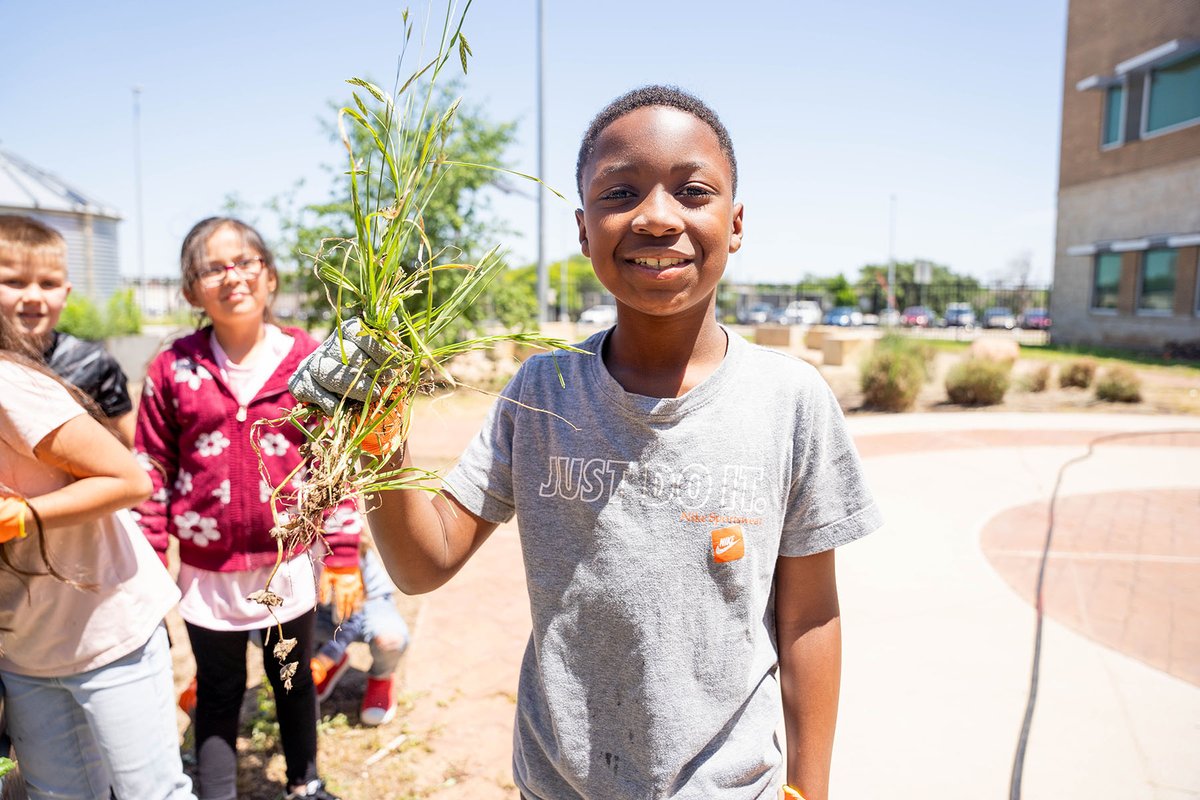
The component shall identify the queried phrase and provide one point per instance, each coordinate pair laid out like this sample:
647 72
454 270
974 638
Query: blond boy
33 291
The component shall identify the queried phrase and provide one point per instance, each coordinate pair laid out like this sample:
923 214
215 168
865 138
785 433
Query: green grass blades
408 289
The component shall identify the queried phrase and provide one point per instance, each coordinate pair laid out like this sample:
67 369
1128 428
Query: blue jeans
378 618
110 730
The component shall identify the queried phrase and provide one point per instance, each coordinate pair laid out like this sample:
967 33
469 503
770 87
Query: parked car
960 315
918 317
999 317
889 317
844 316
758 314
603 315
1037 319
801 312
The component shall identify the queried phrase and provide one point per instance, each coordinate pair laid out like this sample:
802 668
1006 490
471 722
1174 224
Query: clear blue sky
950 106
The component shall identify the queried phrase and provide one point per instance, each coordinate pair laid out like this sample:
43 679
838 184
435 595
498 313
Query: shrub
1037 379
81 318
891 378
1186 351
1077 373
977 382
924 352
1119 385
124 316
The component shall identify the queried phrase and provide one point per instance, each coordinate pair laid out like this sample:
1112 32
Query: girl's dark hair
669 96
193 256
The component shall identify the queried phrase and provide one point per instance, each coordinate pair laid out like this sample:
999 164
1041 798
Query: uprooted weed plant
387 270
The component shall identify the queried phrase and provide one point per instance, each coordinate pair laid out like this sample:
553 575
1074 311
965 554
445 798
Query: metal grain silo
88 225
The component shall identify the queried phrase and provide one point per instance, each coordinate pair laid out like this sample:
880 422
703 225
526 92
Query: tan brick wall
1162 200
1101 34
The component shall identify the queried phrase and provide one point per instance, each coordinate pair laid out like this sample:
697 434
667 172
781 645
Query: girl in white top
84 659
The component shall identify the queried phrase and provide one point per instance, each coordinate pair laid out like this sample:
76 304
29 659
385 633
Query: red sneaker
187 698
326 678
379 701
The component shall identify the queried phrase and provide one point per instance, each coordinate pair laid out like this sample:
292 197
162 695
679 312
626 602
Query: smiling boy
33 292
678 506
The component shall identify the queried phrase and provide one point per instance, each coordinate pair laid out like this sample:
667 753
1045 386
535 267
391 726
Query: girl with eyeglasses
215 476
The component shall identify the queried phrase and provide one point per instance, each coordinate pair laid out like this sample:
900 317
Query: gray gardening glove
323 379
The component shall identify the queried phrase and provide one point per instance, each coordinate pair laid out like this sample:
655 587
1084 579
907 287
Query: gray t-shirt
650 529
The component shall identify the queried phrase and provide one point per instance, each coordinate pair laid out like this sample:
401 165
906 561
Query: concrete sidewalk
938 620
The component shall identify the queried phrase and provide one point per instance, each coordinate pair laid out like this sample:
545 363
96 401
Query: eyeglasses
214 275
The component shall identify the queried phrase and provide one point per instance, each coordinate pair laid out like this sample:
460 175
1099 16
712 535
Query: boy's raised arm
809 633
423 540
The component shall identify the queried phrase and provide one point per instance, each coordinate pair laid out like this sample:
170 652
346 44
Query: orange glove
388 434
12 518
342 588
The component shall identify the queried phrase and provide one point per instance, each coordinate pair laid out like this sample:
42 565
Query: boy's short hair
24 237
669 96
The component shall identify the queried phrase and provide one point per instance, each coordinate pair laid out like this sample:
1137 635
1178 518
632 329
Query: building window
1173 95
1114 115
1156 290
1106 281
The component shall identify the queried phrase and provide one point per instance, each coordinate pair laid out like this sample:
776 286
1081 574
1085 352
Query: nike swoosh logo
725 546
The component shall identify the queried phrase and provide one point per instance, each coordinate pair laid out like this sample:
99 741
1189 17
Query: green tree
581 282
124 316
842 292
82 319
942 278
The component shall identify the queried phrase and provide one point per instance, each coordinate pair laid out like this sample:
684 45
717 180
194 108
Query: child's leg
59 756
220 685
296 708
386 633
130 706
333 640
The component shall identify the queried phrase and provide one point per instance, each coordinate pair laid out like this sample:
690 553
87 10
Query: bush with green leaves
977 382
1036 379
892 375
1119 384
124 318
81 318
915 348
1077 374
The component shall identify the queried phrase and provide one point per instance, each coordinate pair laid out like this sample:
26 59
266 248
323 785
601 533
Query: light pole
543 273
891 298
137 188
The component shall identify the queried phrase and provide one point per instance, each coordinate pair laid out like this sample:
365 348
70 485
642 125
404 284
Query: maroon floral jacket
194 439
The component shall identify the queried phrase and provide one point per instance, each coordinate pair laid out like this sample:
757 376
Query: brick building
1128 233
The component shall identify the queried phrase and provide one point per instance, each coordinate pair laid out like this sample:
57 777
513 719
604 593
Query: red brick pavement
1124 570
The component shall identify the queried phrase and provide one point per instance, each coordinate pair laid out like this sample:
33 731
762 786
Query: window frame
1120 140
1141 281
1114 308
1147 85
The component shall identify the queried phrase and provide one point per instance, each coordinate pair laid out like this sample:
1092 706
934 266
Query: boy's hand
323 378
342 588
12 518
